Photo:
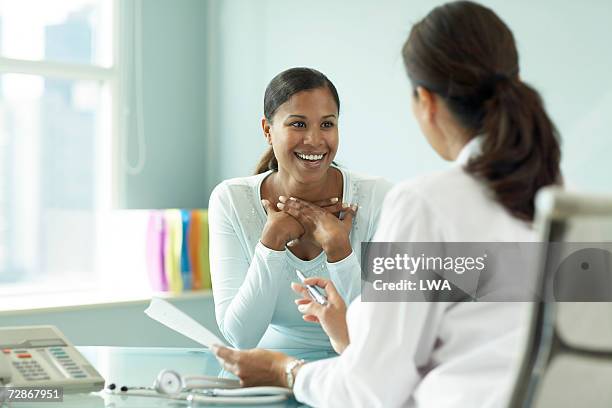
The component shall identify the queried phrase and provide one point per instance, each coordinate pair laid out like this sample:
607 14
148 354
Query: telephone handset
43 356
5 369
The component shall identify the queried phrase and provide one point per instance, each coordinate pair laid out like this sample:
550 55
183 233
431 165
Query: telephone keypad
67 363
30 370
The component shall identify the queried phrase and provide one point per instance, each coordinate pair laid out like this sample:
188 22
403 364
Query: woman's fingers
227 357
311 318
330 289
268 206
332 205
327 202
349 209
295 207
255 366
349 214
312 308
299 289
305 305
333 208
317 281
320 203
225 353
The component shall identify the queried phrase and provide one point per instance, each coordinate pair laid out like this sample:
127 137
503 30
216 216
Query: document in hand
172 317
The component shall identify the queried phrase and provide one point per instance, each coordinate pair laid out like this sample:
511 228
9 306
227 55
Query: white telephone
42 356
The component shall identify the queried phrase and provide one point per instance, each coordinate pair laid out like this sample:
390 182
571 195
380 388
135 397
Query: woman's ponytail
520 149
267 162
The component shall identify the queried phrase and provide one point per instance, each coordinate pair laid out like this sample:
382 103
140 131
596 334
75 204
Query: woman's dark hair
464 53
280 89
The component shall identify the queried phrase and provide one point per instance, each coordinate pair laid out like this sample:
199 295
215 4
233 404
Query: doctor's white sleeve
379 367
245 290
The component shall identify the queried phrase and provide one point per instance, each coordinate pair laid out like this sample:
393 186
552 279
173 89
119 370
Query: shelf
79 299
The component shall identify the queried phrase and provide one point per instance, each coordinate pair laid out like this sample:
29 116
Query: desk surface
134 366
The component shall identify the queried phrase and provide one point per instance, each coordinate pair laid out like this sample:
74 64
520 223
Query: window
58 92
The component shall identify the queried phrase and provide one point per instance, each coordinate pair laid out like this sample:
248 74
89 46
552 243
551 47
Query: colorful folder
177 250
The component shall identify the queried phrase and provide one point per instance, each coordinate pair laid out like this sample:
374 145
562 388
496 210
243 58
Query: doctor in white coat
475 111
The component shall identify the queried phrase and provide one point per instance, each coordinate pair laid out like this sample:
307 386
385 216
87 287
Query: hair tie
501 77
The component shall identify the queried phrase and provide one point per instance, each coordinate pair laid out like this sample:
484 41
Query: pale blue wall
207 62
175 93
564 48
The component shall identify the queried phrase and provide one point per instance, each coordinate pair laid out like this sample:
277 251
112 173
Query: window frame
111 182
113 76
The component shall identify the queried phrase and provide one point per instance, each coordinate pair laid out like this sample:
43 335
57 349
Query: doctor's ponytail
520 152
464 53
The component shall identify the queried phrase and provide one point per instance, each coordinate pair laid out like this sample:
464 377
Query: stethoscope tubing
215 396
169 384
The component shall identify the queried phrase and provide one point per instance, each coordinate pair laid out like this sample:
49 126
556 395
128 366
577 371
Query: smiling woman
279 92
259 237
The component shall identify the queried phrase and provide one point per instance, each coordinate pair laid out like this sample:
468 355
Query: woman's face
428 111
304 134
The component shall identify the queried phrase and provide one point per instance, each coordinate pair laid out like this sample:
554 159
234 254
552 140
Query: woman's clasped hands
325 224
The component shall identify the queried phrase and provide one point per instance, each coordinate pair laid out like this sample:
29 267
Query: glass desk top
138 367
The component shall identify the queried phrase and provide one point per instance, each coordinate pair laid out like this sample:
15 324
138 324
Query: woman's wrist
337 249
281 370
342 343
290 370
274 245
273 241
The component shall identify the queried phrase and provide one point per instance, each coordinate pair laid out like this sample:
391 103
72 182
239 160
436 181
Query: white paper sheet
170 316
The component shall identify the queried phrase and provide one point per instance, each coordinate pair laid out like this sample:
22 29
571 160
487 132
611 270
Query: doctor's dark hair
280 89
464 53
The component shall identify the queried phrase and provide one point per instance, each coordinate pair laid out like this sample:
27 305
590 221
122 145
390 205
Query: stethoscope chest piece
168 382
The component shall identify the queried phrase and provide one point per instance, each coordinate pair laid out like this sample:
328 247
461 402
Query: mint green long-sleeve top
254 303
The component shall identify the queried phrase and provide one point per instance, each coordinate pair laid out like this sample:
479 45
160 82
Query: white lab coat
429 354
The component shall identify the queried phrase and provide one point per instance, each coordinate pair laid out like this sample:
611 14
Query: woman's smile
310 160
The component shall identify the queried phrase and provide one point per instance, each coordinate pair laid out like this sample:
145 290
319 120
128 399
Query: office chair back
568 359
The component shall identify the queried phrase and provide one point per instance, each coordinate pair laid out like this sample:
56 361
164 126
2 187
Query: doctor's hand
331 316
254 367
322 226
280 228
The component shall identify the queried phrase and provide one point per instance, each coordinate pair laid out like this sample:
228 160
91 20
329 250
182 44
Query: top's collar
471 149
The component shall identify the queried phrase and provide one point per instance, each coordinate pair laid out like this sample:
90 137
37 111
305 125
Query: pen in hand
314 291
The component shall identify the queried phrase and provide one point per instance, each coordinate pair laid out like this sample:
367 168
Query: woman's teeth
310 157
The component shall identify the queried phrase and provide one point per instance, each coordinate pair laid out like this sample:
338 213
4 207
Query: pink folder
156 235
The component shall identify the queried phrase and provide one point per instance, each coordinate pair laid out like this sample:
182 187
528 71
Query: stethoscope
169 382
194 388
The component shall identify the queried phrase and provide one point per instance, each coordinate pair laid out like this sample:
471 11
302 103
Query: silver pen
314 291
